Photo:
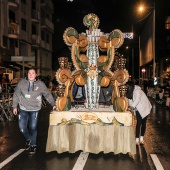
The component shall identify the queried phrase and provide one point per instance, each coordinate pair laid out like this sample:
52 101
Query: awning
26 65
10 65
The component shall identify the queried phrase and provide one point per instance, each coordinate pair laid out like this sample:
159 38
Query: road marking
79 165
140 153
9 159
156 162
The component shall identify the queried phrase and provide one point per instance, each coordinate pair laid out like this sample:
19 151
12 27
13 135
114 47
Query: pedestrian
145 86
141 105
167 93
28 95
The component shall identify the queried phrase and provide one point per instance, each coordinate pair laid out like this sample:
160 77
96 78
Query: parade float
92 127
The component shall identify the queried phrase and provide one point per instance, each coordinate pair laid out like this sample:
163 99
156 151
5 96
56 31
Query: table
91 137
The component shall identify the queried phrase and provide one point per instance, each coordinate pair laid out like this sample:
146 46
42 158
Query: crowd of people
159 92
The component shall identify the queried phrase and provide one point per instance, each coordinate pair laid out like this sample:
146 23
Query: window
167 23
23 24
16 43
168 40
34 31
11 16
42 13
47 38
43 35
23 1
47 16
5 41
11 43
23 6
33 4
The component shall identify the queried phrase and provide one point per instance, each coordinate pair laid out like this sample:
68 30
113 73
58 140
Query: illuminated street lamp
143 73
143 70
142 8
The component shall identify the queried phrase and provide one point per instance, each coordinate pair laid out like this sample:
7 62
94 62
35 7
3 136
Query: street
154 154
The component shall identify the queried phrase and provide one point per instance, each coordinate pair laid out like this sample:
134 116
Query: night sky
113 14
71 14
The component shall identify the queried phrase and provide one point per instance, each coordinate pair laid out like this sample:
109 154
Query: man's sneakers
28 145
141 141
137 141
32 149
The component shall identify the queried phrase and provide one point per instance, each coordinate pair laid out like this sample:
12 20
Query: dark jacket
75 92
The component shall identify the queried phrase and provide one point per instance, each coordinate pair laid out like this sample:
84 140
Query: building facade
26 30
163 61
161 47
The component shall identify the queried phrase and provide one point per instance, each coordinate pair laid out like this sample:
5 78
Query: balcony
13 4
46 24
35 40
47 6
13 30
46 45
35 16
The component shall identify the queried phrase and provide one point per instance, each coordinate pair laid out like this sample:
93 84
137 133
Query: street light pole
132 58
139 60
154 64
133 63
153 38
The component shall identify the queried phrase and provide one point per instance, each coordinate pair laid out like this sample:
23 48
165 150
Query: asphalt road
154 153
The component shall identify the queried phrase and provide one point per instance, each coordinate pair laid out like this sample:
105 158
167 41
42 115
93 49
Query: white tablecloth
91 138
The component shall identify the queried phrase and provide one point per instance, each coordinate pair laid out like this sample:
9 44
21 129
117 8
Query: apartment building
154 44
26 31
164 49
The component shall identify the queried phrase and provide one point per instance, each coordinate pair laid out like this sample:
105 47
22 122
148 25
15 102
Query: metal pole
133 63
132 58
139 59
154 64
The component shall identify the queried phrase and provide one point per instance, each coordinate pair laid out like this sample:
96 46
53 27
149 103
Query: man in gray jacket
28 95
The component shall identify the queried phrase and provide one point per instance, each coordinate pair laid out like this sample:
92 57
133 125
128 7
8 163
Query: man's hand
128 109
131 109
15 111
54 107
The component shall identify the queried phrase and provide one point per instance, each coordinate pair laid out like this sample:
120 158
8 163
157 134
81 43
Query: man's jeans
28 125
